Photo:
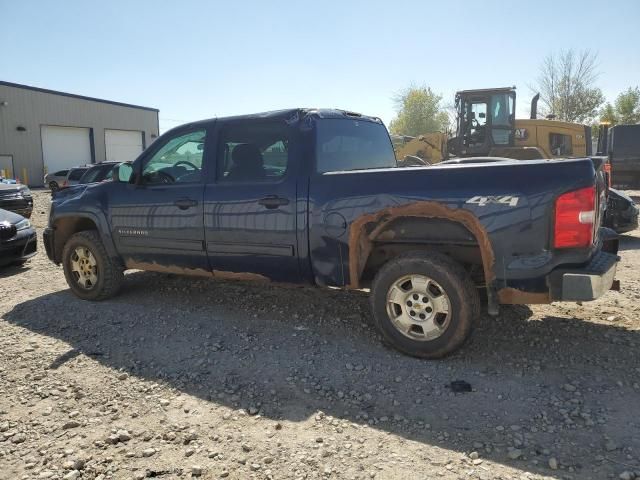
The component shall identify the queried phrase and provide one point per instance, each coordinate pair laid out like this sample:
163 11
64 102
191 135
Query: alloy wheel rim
418 307
84 268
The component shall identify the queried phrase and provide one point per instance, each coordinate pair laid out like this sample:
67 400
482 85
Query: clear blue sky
199 59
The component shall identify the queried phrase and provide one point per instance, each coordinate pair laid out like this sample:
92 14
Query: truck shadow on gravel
7 271
548 386
629 242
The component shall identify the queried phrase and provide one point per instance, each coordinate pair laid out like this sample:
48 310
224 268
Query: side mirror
122 173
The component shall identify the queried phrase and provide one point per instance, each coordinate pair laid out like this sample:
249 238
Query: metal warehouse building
45 131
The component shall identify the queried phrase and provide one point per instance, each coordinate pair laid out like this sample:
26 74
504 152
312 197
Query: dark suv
98 173
16 198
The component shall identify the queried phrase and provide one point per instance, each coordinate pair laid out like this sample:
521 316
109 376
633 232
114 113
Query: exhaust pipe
534 106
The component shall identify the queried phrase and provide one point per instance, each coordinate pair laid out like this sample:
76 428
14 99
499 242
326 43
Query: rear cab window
352 144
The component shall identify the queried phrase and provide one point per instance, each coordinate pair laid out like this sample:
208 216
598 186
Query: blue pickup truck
316 197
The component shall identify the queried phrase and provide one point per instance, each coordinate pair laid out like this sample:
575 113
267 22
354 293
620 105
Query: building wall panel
24 111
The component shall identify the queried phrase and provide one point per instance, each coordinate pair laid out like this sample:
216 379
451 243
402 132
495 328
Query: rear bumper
584 283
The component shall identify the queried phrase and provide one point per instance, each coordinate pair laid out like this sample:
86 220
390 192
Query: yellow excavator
486 126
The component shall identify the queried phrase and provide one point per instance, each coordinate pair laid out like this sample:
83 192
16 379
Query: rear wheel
88 269
54 186
424 304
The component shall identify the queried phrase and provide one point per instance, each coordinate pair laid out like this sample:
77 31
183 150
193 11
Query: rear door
157 223
250 203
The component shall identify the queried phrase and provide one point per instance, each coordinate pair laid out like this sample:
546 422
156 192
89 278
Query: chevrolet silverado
316 197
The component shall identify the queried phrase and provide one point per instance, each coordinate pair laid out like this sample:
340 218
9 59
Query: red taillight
575 218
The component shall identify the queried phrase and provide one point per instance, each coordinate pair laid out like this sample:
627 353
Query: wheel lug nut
425 300
428 309
409 303
416 296
412 313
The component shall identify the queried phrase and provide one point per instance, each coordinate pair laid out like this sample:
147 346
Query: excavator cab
485 121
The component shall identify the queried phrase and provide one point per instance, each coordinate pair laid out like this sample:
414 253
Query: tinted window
501 116
256 152
345 144
501 109
179 160
61 173
76 173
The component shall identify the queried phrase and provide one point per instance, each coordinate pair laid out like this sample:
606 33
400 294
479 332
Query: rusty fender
361 243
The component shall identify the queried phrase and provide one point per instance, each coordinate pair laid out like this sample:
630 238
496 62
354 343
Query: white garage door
122 145
64 147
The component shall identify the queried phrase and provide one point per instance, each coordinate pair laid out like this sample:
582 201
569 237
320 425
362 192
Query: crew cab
316 197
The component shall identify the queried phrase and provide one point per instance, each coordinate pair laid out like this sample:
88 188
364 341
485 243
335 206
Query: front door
158 221
250 203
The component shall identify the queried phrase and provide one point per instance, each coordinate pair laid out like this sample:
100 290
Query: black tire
54 186
109 273
463 301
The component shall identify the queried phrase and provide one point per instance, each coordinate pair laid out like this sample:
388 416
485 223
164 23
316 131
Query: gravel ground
181 377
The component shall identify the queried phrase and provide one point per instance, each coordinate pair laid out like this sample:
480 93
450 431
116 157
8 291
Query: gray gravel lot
182 377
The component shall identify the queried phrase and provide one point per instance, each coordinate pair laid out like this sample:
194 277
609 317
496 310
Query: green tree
567 86
608 114
628 106
418 111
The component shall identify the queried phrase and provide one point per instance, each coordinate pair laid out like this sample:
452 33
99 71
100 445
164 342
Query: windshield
96 174
75 174
351 144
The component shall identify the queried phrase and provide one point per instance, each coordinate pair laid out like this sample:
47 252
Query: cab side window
560 144
179 160
250 153
476 119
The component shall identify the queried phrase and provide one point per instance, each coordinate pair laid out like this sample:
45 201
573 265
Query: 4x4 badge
481 201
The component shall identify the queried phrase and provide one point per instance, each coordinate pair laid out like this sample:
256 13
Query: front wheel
90 272
424 304
54 186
